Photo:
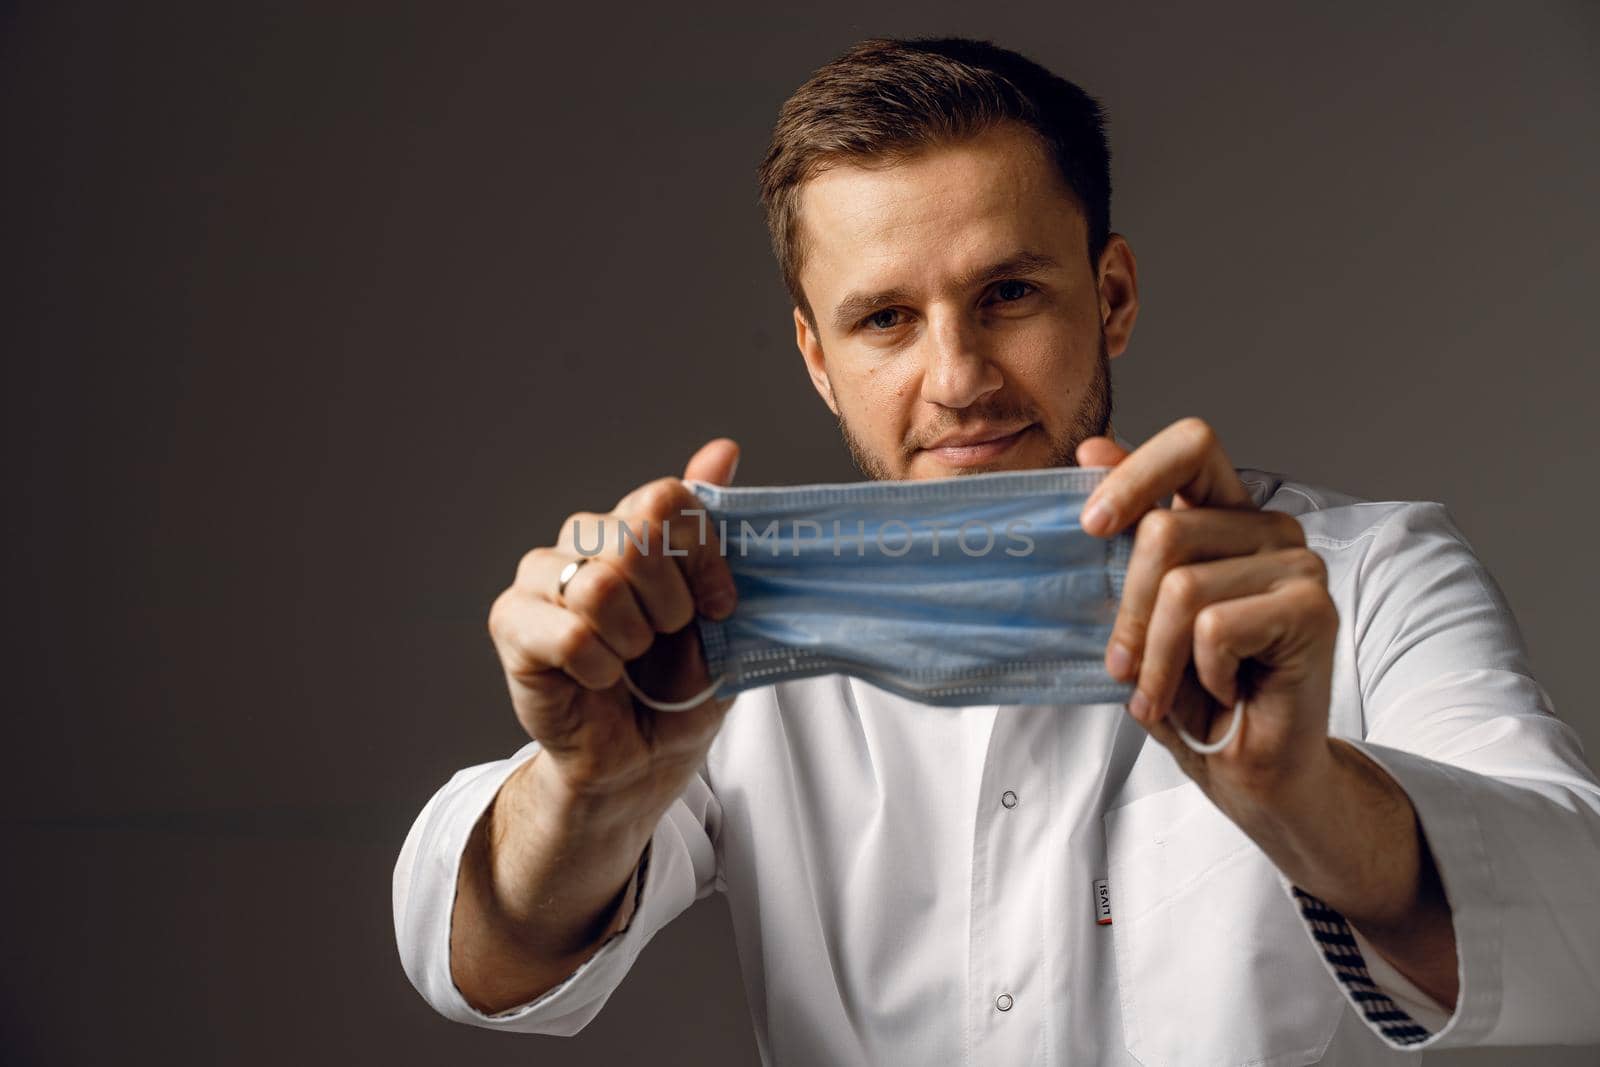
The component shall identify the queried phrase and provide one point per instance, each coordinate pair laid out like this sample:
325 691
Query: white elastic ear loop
673 705
1203 747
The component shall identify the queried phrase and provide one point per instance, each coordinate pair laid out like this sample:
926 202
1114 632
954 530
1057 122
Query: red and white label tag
1102 902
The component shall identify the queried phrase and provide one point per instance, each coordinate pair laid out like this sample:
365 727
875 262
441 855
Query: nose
957 371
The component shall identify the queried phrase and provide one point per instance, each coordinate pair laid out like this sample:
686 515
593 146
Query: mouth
972 452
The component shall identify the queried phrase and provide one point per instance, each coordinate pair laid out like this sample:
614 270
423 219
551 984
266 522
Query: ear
1118 281
805 339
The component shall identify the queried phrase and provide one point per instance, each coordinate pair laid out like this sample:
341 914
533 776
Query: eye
885 319
1011 291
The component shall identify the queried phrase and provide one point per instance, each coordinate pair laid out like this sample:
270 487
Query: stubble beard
1092 419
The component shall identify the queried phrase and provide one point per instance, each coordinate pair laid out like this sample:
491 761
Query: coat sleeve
678 867
1507 805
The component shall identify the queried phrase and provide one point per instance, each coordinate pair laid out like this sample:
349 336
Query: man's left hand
1222 601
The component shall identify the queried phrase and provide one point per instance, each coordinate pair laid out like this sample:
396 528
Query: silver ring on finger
569 572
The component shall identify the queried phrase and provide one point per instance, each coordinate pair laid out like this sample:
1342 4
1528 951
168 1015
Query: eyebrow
857 306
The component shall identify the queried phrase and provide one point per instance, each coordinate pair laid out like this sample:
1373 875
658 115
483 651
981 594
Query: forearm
540 884
1348 834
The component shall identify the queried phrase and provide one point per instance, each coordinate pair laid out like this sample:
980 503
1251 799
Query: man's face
960 325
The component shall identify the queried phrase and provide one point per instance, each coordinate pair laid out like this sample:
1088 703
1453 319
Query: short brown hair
887 99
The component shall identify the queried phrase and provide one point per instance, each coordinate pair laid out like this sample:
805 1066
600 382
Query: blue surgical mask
981 589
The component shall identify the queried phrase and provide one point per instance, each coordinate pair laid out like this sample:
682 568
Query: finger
1100 452
1202 723
705 566
675 669
600 593
1167 539
715 462
1188 594
1185 459
637 544
534 637
1272 627
656 529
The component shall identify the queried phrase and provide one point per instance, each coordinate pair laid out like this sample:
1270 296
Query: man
1398 850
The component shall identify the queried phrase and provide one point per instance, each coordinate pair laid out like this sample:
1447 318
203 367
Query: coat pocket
1214 965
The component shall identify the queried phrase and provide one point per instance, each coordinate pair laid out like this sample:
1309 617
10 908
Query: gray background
316 317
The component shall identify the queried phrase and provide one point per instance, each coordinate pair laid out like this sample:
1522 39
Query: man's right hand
564 653
544 872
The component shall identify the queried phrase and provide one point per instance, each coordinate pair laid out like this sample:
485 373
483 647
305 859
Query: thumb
1101 452
715 462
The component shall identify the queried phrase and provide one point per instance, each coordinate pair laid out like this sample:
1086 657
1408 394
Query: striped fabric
1350 967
